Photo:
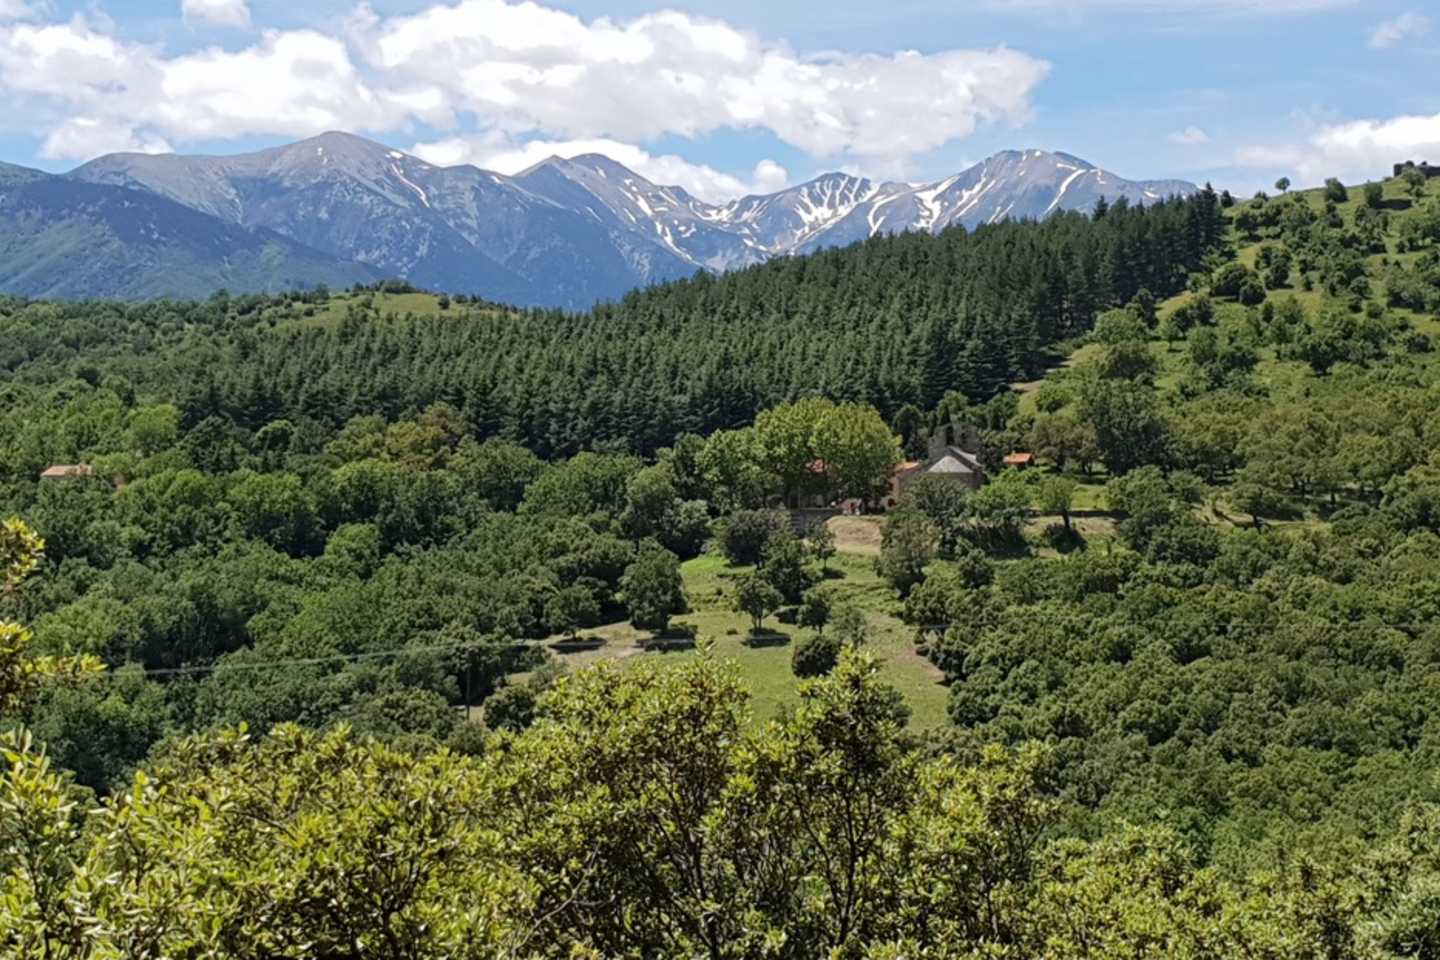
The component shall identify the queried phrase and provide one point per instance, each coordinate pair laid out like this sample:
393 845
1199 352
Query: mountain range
66 238
338 209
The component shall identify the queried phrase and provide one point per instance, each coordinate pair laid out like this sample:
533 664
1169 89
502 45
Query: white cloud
14 10
294 82
70 62
87 136
1175 6
512 74
291 83
1358 150
1190 136
1391 32
503 156
222 13
521 67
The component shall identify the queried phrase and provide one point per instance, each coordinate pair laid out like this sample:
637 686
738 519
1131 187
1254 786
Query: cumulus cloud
292 82
521 66
87 136
1190 136
505 79
70 62
1361 149
1391 32
508 157
222 13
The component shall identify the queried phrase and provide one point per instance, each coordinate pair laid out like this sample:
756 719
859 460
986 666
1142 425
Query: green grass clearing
766 670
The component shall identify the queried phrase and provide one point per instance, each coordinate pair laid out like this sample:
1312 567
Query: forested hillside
887 322
1248 658
1169 692
59 238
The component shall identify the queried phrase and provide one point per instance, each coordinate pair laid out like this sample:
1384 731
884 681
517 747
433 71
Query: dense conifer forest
389 624
899 320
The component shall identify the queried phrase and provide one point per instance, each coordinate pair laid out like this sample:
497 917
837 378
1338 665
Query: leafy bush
744 534
815 656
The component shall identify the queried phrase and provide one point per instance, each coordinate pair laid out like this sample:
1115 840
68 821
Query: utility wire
295 662
452 648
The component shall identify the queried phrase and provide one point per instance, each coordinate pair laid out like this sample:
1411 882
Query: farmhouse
67 471
954 456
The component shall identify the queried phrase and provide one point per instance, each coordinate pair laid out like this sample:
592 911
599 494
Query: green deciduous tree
946 504
755 597
1055 496
1231 279
909 542
785 566
744 534
1120 326
786 439
815 656
21 672
1414 181
586 483
653 588
497 471
998 509
733 466
275 508
1130 430
153 429
1064 440
571 608
859 451
816 608
820 540
1146 502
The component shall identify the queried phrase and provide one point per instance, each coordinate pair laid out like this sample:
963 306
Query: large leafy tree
909 542
757 597
653 589
646 816
1130 429
21 672
787 435
859 451
785 565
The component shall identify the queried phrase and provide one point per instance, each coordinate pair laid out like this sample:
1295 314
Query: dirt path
859 535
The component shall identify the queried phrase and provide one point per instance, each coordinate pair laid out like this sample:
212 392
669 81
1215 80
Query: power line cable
293 662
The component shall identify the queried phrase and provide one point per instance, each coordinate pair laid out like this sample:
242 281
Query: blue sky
744 95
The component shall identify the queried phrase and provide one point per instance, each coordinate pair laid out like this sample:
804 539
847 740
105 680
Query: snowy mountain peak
568 231
602 165
551 162
1072 159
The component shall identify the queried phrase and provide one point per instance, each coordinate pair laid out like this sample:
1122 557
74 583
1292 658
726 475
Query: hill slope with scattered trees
1188 660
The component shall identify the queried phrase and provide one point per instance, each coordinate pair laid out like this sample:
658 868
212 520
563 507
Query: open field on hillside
766 669
399 304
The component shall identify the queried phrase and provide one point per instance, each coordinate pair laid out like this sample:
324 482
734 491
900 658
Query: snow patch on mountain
569 231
